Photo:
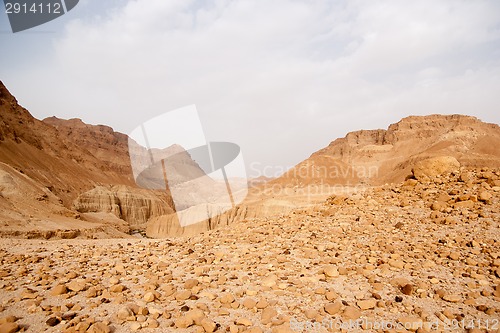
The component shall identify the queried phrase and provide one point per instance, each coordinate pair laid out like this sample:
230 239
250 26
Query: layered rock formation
66 175
170 225
108 146
46 165
380 156
421 147
135 206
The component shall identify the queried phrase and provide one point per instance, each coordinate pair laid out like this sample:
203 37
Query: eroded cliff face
169 225
367 157
136 206
48 168
380 156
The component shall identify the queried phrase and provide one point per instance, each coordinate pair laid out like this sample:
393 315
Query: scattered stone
152 323
485 196
452 298
226 298
135 326
9 328
99 328
351 313
190 283
268 314
249 303
407 289
411 323
53 321
331 271
411 253
183 295
76 285
184 322
367 304
59 290
333 308
149 297
117 288
125 313
208 325
244 322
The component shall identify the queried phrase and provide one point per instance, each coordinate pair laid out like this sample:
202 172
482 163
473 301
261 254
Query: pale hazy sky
280 78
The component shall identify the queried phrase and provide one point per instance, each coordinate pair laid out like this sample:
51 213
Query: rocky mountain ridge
60 175
381 156
49 169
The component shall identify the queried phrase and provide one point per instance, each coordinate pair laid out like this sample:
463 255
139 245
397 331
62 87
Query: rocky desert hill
418 256
359 160
59 177
64 178
376 157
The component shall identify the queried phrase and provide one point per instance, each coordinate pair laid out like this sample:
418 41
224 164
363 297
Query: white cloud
282 78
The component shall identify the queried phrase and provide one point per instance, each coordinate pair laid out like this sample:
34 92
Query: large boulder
434 167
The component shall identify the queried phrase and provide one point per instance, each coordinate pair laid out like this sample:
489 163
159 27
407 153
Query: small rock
91 292
59 290
183 295
76 285
331 271
268 315
351 312
196 315
9 328
407 289
8 319
396 263
152 323
135 326
184 322
226 298
99 328
411 323
310 313
249 303
452 298
125 313
208 325
149 297
117 288
53 321
190 283
485 196
333 308
243 321
367 304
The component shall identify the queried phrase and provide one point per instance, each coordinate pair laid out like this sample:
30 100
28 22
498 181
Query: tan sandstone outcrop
431 168
382 156
169 225
133 205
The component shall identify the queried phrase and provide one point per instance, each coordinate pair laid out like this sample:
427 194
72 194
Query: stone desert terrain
412 246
